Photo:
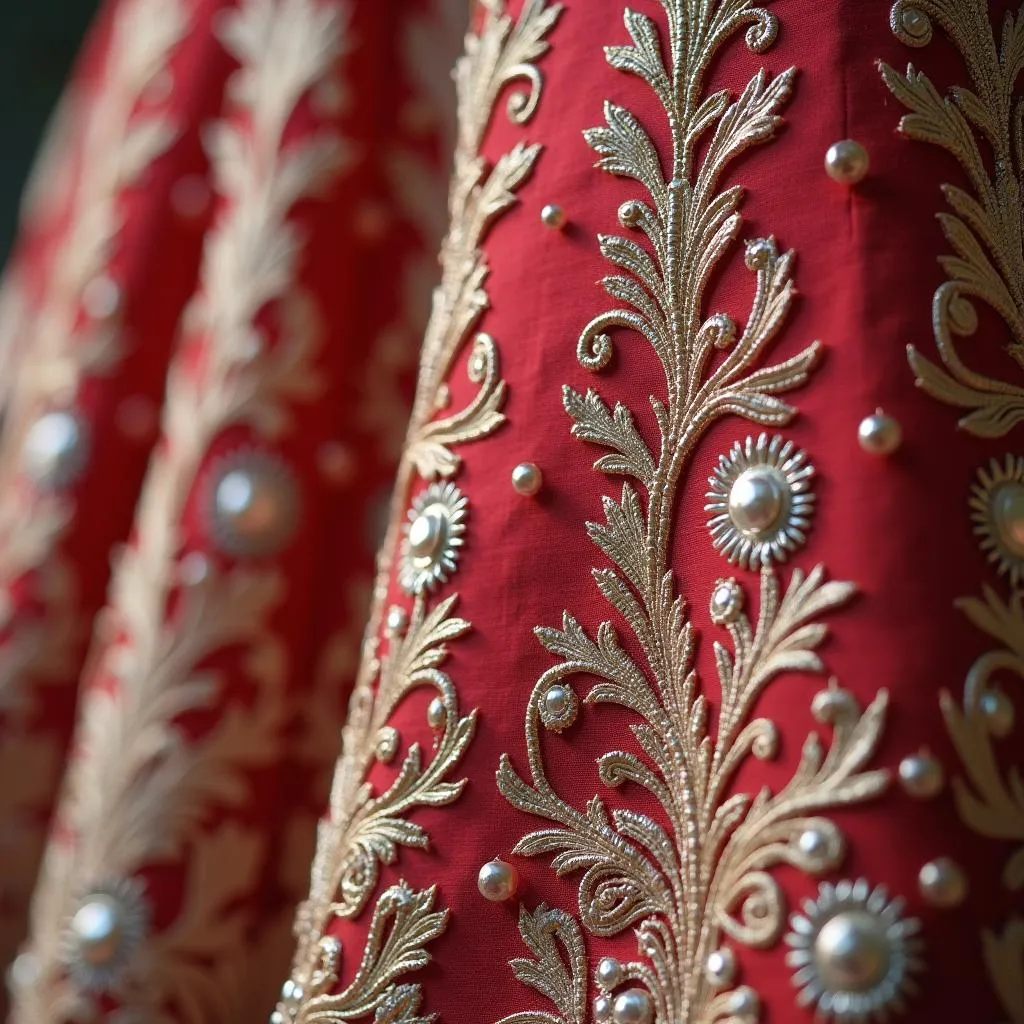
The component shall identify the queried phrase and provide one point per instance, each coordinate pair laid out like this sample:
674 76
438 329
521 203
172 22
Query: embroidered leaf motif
984 229
366 829
987 238
554 938
404 923
700 867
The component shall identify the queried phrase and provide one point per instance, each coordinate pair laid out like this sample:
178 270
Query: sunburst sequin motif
760 502
107 927
432 537
854 953
997 511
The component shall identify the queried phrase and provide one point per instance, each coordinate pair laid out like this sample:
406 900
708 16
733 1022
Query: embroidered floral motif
55 349
142 786
984 229
367 830
706 875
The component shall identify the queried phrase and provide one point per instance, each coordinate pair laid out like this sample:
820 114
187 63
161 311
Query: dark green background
38 43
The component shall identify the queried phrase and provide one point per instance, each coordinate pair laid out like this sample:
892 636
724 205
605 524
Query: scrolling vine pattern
987 235
366 829
705 878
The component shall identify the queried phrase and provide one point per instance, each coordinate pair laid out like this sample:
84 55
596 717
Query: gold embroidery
53 350
430 45
707 874
988 802
984 229
364 830
142 787
504 52
985 232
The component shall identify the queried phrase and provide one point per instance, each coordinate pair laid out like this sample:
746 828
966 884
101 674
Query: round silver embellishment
847 162
910 24
879 434
603 1009
527 479
497 881
553 216
921 775
55 450
854 952
106 928
252 505
997 511
632 1007
720 969
760 502
558 707
942 882
433 537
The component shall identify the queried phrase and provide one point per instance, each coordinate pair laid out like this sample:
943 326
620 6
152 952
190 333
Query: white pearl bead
426 535
726 602
921 776
879 434
720 969
24 970
557 700
609 972
847 162
744 1002
632 1007
497 881
527 478
398 620
852 951
942 882
553 216
755 501
602 1009
387 744
815 846
96 927
436 714
54 450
